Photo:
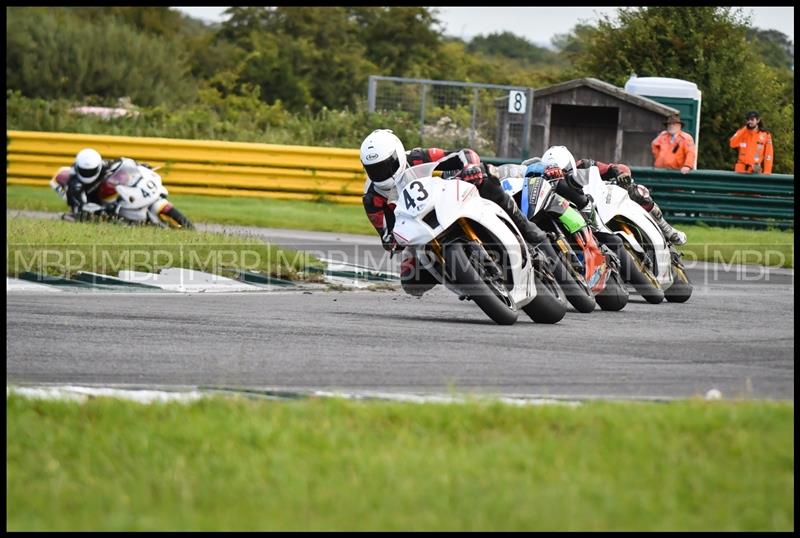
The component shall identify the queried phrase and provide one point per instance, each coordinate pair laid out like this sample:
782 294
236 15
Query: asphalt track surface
735 334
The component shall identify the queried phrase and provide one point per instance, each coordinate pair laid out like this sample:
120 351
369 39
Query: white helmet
383 157
561 157
88 164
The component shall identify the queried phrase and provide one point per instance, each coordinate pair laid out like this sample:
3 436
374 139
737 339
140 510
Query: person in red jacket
755 146
673 148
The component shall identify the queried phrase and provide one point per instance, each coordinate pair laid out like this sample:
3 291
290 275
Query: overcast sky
537 24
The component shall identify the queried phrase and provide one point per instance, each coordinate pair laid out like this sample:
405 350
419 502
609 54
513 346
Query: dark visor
88 172
383 170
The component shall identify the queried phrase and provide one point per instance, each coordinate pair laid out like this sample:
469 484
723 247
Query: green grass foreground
774 248
60 248
332 464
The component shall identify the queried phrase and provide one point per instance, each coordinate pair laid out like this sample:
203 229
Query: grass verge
62 249
263 212
706 243
772 248
330 464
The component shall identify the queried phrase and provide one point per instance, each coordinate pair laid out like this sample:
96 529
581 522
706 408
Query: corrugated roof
605 87
609 89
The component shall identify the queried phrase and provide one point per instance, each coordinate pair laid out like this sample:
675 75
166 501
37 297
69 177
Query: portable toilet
679 94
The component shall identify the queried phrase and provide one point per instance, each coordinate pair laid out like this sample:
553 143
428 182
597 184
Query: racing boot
641 195
673 235
414 279
543 257
539 248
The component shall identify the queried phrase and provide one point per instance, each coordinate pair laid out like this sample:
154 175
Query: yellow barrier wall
200 166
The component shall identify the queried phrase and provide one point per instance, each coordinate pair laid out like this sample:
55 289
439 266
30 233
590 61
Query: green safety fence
717 197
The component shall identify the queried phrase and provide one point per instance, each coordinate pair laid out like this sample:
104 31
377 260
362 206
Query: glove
491 171
388 241
474 173
553 172
112 208
624 180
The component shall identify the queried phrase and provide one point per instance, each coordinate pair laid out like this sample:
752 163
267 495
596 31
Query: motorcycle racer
560 164
385 159
82 182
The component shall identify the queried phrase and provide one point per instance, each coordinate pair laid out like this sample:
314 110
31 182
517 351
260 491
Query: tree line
276 63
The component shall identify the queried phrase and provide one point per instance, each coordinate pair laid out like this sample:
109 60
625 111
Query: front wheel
548 306
176 219
681 288
469 273
614 296
641 277
574 285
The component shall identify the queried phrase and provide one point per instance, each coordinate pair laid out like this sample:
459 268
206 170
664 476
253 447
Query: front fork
436 247
158 213
469 232
596 261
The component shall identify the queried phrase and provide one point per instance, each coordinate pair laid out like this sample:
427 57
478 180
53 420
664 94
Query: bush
708 46
53 53
241 118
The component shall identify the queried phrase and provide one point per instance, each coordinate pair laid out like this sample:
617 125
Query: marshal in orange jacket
755 148
674 154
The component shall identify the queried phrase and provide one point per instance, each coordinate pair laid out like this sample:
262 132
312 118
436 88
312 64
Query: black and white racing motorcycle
472 247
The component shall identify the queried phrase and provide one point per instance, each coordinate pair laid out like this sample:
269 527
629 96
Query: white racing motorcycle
649 261
472 247
130 192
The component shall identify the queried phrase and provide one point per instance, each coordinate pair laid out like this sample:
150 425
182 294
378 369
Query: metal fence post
372 93
474 116
422 114
526 129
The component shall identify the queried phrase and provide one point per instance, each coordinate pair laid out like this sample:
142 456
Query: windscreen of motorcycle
127 173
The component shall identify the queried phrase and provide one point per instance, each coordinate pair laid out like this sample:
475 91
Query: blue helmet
535 169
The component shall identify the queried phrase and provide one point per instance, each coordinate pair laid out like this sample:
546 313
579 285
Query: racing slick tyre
549 305
177 219
635 272
681 288
574 285
470 270
614 297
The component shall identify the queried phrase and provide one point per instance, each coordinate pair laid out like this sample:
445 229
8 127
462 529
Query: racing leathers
621 174
79 193
379 206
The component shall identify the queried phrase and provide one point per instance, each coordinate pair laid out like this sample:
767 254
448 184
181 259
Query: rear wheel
614 296
635 272
468 266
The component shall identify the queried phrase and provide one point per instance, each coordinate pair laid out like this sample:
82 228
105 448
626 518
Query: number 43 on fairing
413 194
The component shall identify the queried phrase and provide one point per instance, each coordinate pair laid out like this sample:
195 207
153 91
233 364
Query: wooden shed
592 118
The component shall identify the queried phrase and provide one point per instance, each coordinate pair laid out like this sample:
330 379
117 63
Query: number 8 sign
517 102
